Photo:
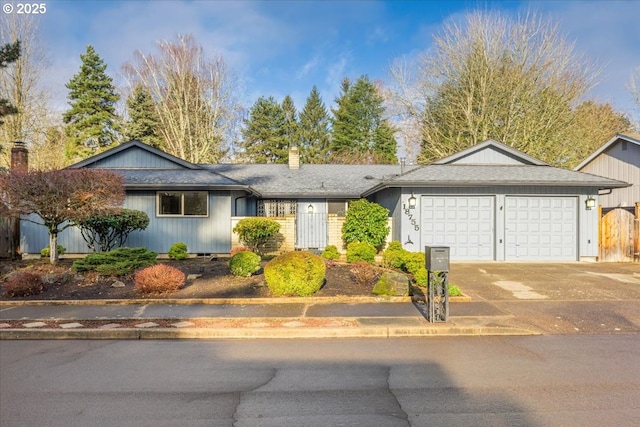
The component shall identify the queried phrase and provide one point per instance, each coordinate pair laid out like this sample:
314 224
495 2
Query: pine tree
92 120
264 140
8 53
143 118
290 127
358 125
314 136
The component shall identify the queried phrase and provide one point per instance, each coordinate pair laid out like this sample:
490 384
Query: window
183 203
337 207
276 208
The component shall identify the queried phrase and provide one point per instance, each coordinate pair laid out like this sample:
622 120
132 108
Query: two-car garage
502 227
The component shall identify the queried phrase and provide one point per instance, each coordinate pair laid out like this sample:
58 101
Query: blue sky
277 48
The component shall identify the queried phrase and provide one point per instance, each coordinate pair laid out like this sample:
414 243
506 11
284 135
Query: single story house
488 202
618 159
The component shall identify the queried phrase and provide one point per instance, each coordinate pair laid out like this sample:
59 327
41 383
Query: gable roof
94 160
618 138
317 180
494 146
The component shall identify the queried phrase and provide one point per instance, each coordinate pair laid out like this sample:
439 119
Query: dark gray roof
278 181
483 175
177 178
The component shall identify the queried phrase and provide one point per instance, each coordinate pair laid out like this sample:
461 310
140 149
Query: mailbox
437 258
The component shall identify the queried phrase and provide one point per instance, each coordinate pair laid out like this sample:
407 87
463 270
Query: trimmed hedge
295 273
330 252
244 264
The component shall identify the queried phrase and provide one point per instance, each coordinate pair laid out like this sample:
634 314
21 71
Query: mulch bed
214 281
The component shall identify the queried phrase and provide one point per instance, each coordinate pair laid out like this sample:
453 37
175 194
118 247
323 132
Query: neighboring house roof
278 181
616 139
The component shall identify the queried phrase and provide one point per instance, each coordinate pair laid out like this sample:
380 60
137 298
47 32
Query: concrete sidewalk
282 318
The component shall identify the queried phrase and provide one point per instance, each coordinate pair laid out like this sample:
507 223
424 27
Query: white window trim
182 215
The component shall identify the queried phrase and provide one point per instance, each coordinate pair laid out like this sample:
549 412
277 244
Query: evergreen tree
92 120
264 139
290 126
314 133
358 126
8 53
143 118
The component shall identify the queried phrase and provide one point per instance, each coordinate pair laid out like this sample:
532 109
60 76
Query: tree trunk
53 248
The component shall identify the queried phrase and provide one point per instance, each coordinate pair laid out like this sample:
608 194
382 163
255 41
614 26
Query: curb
226 301
260 333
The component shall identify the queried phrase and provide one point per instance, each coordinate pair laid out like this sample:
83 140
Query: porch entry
311 225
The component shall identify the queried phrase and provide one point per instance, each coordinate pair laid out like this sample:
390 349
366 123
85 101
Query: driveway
556 297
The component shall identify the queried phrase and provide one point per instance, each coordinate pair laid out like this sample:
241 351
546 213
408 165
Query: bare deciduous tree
20 83
193 96
512 80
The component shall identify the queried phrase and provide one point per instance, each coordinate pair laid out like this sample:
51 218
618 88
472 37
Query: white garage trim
541 228
464 223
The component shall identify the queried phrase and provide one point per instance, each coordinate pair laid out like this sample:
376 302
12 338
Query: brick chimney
19 162
294 158
20 157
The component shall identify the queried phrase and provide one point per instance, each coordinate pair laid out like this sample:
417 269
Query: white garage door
540 228
464 223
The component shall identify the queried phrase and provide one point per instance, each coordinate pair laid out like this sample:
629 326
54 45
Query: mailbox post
437 264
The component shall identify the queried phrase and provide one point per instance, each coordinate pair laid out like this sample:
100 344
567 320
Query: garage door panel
468 222
542 228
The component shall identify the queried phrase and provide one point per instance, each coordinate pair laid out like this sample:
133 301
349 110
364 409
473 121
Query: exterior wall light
590 203
412 201
310 209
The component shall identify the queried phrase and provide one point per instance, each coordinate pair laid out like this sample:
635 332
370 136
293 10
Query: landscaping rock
193 276
118 284
392 283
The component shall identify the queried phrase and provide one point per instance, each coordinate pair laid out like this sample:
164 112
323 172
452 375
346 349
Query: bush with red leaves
364 273
159 279
23 284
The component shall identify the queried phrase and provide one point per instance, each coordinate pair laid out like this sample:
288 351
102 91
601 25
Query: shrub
105 232
454 291
239 249
159 279
255 232
393 256
244 264
361 251
178 251
366 222
46 251
23 284
421 276
295 273
364 273
383 287
119 262
413 262
331 253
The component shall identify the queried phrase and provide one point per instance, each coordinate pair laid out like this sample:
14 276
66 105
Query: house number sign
410 215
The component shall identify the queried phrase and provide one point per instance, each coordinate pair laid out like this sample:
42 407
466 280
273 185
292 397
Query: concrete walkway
504 299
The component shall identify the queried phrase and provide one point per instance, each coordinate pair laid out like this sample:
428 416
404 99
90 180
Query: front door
311 225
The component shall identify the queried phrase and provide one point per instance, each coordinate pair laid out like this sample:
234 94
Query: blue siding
202 235
135 158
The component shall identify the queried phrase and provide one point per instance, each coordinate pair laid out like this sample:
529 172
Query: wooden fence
6 238
619 235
